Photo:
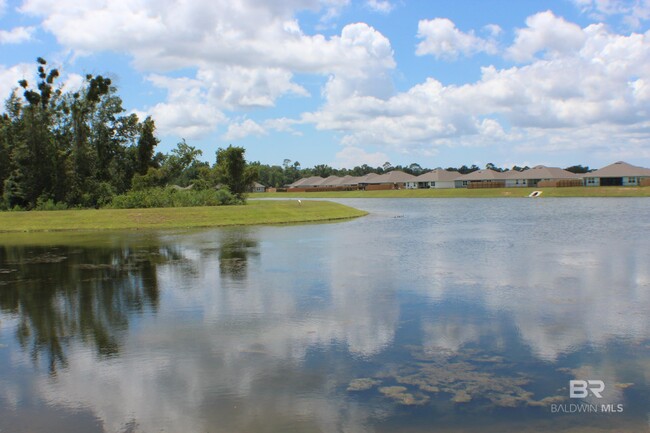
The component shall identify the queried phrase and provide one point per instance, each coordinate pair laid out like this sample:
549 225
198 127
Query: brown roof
486 174
395 176
619 169
307 182
331 181
368 177
438 175
541 172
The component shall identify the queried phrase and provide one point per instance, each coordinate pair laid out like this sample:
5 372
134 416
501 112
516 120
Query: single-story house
258 187
396 179
618 174
532 176
481 178
308 182
437 178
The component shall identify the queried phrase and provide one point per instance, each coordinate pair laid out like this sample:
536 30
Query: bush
49 204
172 197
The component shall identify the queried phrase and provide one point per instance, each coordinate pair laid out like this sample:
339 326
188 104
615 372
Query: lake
451 315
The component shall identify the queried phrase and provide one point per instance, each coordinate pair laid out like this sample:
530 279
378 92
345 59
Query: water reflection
445 315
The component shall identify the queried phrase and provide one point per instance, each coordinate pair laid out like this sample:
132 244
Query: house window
433 184
631 180
464 183
591 180
517 182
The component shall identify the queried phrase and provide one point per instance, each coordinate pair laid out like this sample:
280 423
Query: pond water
447 315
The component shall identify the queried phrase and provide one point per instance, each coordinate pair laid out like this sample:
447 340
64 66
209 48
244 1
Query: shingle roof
307 182
438 175
486 174
395 176
541 172
366 178
619 169
331 181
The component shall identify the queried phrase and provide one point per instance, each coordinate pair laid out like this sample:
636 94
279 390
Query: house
482 179
540 173
618 174
257 187
395 179
308 182
438 178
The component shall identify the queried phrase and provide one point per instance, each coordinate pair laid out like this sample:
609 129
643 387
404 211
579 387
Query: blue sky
345 82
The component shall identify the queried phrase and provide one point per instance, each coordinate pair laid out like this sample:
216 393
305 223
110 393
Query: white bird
299 202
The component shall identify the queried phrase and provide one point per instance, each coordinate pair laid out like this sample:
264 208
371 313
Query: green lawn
607 191
255 212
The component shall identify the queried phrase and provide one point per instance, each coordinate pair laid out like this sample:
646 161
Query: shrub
172 197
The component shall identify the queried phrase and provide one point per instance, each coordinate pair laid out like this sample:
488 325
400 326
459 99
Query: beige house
539 173
482 178
258 187
618 174
396 179
437 178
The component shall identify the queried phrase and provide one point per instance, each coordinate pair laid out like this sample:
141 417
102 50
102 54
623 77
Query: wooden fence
559 183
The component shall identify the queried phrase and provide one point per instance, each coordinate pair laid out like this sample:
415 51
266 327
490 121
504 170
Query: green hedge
172 197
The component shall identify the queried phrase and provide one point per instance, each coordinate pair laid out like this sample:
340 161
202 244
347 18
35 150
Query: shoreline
573 192
256 212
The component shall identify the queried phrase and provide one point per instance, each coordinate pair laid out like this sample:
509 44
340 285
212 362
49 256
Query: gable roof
438 175
307 182
331 181
485 174
541 172
619 169
395 176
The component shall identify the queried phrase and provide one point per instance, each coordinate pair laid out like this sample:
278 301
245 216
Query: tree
233 171
146 144
578 169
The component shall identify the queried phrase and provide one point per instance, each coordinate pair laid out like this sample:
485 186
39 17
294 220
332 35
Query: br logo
582 388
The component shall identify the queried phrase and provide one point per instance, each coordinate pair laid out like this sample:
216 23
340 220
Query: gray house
396 179
258 187
532 176
481 178
437 178
618 174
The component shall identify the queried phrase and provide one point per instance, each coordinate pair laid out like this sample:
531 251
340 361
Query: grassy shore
255 212
608 191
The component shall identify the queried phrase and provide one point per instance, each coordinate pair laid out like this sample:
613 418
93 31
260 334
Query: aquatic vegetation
465 376
399 394
363 384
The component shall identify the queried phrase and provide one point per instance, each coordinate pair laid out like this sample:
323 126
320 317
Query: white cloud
634 12
382 6
237 131
9 77
546 33
586 94
442 39
350 157
246 53
16 35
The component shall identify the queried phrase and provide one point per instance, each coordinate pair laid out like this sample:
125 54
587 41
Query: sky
345 83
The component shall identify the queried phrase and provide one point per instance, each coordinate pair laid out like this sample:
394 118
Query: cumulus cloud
634 12
9 77
546 33
16 35
245 53
239 130
442 39
588 91
350 157
383 6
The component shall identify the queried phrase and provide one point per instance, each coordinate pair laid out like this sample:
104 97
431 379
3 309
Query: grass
605 191
255 212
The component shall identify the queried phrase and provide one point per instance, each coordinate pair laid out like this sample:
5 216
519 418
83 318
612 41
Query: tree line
61 149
